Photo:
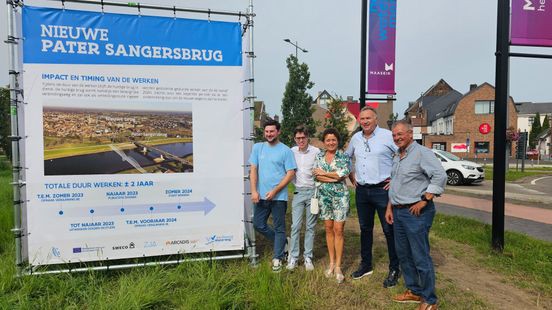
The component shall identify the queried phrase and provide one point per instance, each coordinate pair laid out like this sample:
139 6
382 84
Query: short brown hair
331 131
300 129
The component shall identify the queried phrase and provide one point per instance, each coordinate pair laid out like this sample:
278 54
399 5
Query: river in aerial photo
112 162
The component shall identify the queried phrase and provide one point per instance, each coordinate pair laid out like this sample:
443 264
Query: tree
296 105
535 131
336 117
5 121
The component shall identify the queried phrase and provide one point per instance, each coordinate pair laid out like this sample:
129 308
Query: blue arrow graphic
204 206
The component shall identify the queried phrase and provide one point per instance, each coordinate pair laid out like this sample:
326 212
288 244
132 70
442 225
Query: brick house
450 121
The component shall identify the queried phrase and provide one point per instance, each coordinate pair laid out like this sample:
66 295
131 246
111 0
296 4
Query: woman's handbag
314 209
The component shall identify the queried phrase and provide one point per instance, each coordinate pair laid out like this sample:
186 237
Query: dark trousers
276 234
370 200
412 243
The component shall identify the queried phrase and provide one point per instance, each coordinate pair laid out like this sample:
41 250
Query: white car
460 171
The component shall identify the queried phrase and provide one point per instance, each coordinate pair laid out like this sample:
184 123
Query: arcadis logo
530 5
180 242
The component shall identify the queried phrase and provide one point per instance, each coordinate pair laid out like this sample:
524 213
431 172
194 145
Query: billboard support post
249 230
501 108
15 94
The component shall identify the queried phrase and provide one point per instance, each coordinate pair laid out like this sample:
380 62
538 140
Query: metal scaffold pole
251 101
16 95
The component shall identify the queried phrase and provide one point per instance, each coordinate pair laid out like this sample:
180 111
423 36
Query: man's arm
434 171
253 184
283 183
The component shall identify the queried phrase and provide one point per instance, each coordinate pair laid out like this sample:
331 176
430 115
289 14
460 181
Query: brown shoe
424 306
408 296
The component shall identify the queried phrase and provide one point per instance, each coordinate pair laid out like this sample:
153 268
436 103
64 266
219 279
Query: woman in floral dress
331 168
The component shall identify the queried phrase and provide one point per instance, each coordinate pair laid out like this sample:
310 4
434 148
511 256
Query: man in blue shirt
272 168
372 150
417 176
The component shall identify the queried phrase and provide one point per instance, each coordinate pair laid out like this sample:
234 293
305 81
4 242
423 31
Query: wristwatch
424 198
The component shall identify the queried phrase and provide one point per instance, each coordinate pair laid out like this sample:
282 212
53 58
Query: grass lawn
513 175
460 248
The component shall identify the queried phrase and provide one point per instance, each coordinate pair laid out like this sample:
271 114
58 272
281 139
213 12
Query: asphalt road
534 229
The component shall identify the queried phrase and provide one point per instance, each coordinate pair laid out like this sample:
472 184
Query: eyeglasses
367 146
300 138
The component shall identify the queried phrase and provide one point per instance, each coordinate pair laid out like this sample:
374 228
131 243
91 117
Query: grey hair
405 123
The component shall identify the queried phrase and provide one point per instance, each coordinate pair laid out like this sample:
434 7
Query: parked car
460 171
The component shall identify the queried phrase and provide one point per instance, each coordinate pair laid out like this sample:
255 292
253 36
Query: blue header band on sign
83 37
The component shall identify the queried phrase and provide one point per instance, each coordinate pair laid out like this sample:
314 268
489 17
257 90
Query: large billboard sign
531 23
133 136
381 46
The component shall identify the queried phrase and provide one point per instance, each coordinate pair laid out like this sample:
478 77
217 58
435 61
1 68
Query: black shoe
362 271
392 278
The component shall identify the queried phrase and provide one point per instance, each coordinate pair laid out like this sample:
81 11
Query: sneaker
309 266
362 271
392 278
424 306
407 297
292 263
276 265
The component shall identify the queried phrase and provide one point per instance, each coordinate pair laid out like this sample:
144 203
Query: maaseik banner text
80 37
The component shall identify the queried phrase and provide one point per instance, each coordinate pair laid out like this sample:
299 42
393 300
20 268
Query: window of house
439 146
484 107
481 147
531 120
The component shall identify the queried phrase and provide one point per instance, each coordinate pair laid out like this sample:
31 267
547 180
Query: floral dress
333 198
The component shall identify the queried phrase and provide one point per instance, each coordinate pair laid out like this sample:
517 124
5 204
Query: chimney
276 118
349 98
473 86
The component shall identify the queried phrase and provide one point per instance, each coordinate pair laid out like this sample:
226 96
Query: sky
449 39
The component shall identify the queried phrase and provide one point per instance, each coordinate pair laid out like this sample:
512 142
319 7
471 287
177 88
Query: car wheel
454 177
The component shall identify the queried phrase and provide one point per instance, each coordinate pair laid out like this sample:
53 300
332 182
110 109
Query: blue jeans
368 201
301 204
277 235
412 243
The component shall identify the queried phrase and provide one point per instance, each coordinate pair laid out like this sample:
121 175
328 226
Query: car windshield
449 156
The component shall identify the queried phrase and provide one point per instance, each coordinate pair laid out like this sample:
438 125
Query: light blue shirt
373 157
419 171
272 162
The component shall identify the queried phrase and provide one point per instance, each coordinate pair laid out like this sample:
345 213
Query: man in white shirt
305 155
372 150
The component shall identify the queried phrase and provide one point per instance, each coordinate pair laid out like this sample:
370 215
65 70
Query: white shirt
373 156
305 162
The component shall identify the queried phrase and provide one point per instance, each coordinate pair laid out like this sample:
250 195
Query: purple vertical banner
381 46
531 23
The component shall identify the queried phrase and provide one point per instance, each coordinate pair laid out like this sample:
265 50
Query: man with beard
272 168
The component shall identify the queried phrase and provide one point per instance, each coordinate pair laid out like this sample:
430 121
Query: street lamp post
297 47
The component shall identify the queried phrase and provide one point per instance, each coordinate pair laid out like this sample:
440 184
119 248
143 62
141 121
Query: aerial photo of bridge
103 141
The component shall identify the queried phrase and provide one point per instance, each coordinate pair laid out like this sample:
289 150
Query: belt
380 184
408 205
